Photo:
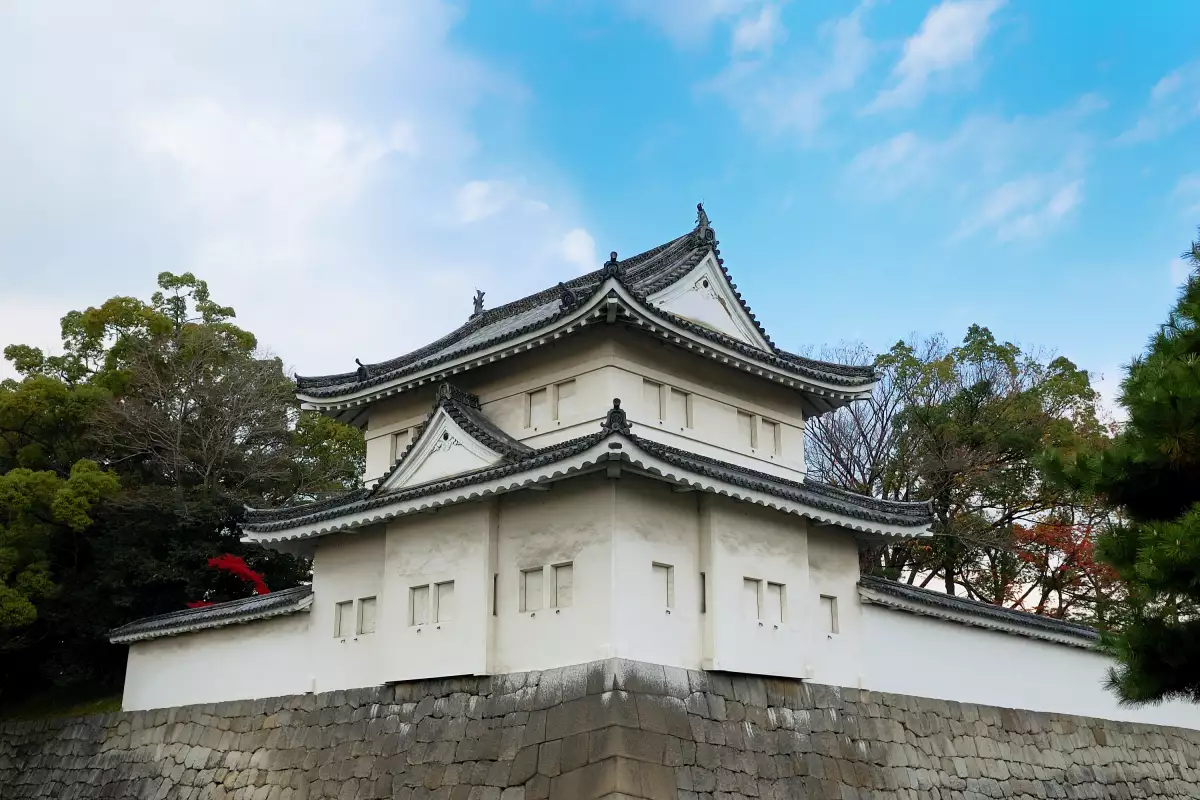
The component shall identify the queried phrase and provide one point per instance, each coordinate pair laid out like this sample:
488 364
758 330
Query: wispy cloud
1025 208
792 95
1179 271
1174 102
579 248
1187 193
949 39
1016 178
758 33
687 22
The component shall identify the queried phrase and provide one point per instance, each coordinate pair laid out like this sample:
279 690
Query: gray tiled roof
811 493
929 597
260 520
463 408
261 606
643 275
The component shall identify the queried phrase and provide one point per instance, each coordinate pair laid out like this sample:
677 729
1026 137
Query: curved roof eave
625 452
597 309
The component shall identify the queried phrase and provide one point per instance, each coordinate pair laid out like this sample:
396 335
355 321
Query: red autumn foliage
236 566
1059 568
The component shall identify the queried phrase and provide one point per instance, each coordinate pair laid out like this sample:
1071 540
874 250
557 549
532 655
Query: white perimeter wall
260 659
910 654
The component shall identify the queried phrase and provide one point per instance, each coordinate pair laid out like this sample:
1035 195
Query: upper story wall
563 390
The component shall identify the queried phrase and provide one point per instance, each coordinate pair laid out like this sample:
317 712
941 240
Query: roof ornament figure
363 372
448 391
616 421
612 267
703 227
567 297
478 302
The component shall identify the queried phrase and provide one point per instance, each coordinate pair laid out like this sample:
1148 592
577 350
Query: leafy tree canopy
964 427
126 463
1152 474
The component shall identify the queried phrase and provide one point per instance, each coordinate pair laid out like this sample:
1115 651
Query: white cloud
318 193
579 248
793 96
1187 191
1017 178
481 199
1179 271
948 40
686 22
758 33
1026 208
1174 102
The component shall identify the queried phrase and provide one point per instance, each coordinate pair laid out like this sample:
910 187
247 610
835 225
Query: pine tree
1152 474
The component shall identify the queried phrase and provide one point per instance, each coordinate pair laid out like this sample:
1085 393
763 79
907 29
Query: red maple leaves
236 566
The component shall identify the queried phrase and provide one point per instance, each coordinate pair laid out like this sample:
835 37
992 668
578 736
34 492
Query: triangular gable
443 450
705 297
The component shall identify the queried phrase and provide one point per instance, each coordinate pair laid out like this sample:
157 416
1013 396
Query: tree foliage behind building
1151 473
126 462
965 427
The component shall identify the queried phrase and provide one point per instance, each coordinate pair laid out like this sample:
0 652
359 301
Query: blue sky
346 175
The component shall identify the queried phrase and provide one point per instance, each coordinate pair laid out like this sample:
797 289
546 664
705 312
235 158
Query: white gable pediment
704 296
443 451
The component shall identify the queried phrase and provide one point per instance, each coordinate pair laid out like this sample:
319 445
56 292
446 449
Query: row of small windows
762 601
346 622
674 406
431 603
759 433
549 404
533 592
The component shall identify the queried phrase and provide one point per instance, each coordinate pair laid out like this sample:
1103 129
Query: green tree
34 508
964 427
181 407
1152 474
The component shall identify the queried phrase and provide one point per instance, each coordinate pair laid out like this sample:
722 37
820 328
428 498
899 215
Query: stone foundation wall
610 729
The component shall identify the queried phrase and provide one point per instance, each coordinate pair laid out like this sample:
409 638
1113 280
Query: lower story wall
266 659
920 655
609 729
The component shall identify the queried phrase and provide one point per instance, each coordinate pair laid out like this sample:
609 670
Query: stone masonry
610 729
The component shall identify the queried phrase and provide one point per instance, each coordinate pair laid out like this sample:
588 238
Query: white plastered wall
739 542
906 653
656 525
347 567
571 523
451 545
260 659
612 530
833 658
605 363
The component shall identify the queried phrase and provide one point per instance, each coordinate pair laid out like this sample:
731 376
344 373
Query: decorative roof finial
612 267
567 297
478 301
363 372
449 392
703 226
616 421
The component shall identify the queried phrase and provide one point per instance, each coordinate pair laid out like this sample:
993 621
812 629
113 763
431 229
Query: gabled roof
640 277
456 413
915 600
613 447
248 609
